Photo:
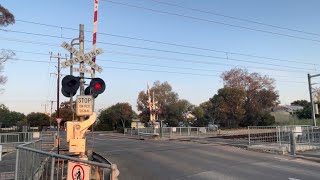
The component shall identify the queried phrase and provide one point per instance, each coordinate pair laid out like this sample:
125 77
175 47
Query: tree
208 113
172 109
199 114
4 111
9 118
65 112
229 106
163 94
13 118
306 112
36 119
259 90
6 18
4 56
176 112
302 103
118 115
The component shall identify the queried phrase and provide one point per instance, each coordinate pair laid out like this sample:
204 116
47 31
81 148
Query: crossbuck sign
80 57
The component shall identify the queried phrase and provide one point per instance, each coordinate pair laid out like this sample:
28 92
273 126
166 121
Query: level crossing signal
70 85
96 87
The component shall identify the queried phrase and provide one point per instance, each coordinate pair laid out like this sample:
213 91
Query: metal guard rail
62 156
108 168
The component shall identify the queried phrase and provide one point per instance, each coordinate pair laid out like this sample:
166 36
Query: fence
275 134
32 163
173 132
18 137
288 138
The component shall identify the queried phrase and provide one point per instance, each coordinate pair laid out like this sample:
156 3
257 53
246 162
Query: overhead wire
162 50
236 18
144 64
172 44
202 62
174 59
211 21
147 70
185 60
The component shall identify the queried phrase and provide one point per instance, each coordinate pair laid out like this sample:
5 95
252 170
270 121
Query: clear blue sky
30 84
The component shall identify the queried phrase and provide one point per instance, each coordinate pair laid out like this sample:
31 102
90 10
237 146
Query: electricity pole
51 108
313 115
58 57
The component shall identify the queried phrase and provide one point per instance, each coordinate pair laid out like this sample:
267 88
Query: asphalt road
148 159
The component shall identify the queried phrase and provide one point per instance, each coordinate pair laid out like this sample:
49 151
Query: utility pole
313 115
45 108
51 108
71 73
82 65
58 57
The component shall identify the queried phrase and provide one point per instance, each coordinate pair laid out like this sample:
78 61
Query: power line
35 34
175 44
166 51
144 70
175 59
30 60
203 62
28 42
138 69
28 52
198 62
179 67
212 21
200 55
207 49
39 61
236 18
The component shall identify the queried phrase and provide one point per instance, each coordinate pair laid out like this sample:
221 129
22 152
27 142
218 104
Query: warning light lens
97 86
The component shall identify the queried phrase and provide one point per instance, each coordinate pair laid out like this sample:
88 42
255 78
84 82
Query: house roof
288 108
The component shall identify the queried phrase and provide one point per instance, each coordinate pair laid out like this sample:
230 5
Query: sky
187 43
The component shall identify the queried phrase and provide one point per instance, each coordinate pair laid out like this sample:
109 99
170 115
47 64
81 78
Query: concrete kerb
315 158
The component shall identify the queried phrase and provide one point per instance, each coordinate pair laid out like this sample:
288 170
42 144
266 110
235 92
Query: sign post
58 133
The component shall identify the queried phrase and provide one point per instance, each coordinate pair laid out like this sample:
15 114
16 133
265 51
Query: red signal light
97 86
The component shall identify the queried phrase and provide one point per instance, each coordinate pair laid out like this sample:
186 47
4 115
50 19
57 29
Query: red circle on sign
75 174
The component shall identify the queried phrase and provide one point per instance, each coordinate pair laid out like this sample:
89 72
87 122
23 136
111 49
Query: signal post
84 102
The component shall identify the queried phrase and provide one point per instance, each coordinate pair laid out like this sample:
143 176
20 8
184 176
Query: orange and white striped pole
94 32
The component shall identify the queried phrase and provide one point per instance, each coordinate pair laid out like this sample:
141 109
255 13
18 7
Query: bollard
292 144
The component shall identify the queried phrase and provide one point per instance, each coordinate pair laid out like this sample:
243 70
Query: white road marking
290 178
